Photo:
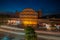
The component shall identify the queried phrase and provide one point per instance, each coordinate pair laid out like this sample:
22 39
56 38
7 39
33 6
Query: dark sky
47 6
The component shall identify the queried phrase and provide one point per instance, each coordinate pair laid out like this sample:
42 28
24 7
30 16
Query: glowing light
8 21
29 22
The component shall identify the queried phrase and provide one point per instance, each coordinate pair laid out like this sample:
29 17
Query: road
20 32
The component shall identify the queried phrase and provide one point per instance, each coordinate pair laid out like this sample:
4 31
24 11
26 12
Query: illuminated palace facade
28 17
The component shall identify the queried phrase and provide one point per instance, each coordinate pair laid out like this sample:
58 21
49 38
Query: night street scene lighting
29 19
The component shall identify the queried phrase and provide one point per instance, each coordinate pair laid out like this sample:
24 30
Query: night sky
47 6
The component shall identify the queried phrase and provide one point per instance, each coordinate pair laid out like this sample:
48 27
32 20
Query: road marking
18 33
9 27
49 37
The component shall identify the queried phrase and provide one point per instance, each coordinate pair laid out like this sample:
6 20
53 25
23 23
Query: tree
30 33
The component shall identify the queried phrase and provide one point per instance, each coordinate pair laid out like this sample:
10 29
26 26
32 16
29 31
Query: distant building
27 17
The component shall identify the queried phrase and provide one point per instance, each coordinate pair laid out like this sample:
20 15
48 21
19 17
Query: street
19 33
